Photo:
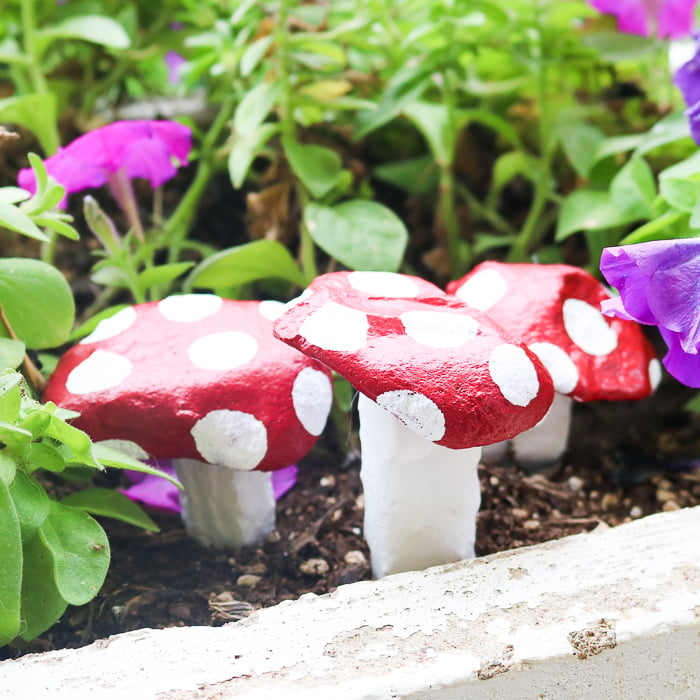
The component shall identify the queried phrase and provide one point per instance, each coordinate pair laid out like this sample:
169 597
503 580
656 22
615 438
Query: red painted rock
442 368
555 309
196 376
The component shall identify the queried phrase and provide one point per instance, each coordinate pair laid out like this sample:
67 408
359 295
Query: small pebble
258 569
494 480
520 513
314 567
274 537
248 580
327 481
663 495
532 524
670 505
355 556
360 501
576 483
609 501
636 512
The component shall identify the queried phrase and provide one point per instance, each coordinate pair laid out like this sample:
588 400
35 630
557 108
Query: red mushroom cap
555 309
445 370
196 376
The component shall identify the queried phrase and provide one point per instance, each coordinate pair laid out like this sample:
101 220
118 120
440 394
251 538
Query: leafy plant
53 553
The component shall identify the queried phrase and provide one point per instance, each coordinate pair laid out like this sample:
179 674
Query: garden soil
626 460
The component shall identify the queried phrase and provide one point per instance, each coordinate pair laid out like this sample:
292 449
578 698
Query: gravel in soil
625 461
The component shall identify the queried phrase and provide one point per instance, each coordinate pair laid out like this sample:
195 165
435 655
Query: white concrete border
613 614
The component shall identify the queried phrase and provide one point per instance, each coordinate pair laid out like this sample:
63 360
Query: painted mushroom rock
555 310
437 380
201 380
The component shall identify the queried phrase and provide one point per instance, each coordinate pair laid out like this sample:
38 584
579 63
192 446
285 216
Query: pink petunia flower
142 148
161 495
667 19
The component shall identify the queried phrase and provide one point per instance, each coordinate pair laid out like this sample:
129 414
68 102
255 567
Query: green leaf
263 259
362 235
75 440
253 54
162 274
110 504
682 194
36 112
13 218
255 106
8 468
37 301
580 142
589 209
31 504
96 29
245 149
10 398
416 175
42 455
42 604
10 567
13 195
633 189
433 122
109 456
79 550
316 166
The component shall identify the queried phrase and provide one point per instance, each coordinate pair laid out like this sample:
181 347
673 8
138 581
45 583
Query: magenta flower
159 494
659 285
671 19
174 63
140 148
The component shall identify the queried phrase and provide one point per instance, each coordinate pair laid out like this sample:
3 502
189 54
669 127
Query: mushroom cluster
437 380
203 381
555 310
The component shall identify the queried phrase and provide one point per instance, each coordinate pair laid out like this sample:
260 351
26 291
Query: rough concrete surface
611 614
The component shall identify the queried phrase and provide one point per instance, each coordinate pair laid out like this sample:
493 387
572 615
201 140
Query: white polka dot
112 326
336 327
514 374
128 447
483 290
439 330
383 284
654 373
271 309
231 438
102 370
223 350
312 395
187 308
559 365
588 328
416 411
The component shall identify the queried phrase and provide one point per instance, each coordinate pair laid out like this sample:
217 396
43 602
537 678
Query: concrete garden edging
609 614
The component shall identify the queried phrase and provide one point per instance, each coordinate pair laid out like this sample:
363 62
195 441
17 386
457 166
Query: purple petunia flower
174 62
672 19
139 149
161 495
687 80
659 285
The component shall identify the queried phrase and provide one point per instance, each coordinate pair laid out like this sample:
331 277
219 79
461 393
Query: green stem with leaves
531 232
307 249
178 225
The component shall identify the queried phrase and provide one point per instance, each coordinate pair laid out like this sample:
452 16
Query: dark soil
626 460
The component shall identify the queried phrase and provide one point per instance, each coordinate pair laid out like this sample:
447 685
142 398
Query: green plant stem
307 250
38 80
177 227
484 211
531 232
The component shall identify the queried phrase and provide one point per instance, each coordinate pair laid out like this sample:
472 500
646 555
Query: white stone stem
545 443
421 499
225 507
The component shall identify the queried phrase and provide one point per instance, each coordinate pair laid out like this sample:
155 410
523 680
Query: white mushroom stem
225 507
545 443
421 499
